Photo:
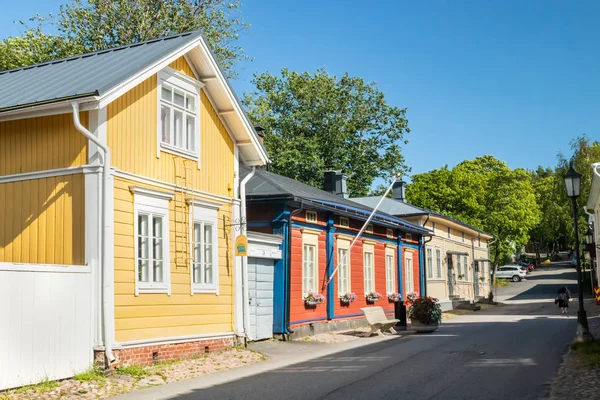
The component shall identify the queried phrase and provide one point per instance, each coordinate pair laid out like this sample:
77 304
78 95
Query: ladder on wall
184 178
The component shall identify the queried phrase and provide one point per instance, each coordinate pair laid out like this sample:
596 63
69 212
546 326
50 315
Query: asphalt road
508 352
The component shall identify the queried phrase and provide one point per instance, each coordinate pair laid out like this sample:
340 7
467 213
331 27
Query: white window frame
310 237
369 268
154 203
192 87
311 217
389 233
459 266
344 280
408 237
429 255
466 266
408 272
438 263
390 270
344 222
369 228
204 213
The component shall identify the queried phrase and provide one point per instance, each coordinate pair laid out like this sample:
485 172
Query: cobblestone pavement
97 386
576 379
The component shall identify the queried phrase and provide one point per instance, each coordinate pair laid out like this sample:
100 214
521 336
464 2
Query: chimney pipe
260 131
399 190
335 182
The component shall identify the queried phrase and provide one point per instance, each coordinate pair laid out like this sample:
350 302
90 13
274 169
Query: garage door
260 288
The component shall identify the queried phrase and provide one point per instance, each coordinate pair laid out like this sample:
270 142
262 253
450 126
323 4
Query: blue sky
515 79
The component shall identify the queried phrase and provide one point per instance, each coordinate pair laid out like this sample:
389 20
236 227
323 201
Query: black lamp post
573 186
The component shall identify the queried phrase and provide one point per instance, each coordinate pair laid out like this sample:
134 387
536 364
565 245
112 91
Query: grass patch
42 387
92 374
133 370
501 283
589 351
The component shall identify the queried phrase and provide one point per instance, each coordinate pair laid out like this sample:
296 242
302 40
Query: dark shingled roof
265 185
402 209
93 74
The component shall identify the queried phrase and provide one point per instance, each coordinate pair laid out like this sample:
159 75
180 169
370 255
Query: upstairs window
178 128
389 233
408 237
311 216
369 228
449 235
344 222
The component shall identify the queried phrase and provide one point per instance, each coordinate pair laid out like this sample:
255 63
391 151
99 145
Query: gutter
424 277
245 294
105 232
288 290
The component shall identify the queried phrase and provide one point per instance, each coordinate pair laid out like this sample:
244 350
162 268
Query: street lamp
589 236
573 186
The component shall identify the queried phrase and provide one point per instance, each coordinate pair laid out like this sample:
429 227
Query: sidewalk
576 379
280 354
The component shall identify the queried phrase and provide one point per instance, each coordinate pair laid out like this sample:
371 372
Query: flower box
372 296
312 298
394 297
347 298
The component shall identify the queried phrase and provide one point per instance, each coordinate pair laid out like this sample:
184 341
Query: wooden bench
378 321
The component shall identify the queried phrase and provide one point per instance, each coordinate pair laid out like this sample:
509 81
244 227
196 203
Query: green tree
484 192
92 25
318 121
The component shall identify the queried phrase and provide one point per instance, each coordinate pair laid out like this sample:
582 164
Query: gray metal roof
92 74
403 209
266 185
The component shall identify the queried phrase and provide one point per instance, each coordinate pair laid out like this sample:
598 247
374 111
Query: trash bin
400 315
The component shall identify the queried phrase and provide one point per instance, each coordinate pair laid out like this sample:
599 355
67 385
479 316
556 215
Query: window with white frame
459 266
466 266
309 268
438 263
408 237
344 271
449 235
179 113
408 263
369 272
389 233
369 228
152 255
463 236
344 222
390 276
433 226
311 216
429 263
204 247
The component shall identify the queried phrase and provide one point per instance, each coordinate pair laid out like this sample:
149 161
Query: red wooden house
318 228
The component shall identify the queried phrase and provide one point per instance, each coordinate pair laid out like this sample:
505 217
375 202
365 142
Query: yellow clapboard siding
138 334
166 311
151 299
170 321
36 144
132 124
42 221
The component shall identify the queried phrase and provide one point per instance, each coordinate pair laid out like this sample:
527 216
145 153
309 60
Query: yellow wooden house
119 197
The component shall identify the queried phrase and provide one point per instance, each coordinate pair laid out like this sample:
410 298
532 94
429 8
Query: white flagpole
362 229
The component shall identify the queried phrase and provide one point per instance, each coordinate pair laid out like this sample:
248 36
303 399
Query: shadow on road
422 366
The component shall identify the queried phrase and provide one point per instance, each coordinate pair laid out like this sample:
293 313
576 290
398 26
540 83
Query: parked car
513 272
527 265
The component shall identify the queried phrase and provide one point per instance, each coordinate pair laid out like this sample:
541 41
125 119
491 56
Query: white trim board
64 269
174 340
49 173
169 186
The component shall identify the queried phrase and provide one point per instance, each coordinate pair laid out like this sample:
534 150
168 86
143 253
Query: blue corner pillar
421 269
330 267
399 265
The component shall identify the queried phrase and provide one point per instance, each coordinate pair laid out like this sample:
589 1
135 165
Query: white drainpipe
107 262
245 297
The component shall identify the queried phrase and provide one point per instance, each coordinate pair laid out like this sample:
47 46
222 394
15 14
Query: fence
45 322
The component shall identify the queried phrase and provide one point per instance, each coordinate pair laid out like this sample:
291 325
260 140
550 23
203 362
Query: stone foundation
320 327
145 355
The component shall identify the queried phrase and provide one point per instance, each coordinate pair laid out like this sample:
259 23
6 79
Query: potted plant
313 298
373 296
411 296
348 298
394 297
425 314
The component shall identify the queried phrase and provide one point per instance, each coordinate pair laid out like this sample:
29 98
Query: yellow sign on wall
241 245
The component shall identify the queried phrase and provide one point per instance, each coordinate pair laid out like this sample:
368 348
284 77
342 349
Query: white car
513 272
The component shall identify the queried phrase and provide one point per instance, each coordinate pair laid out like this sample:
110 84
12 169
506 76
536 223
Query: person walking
562 299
